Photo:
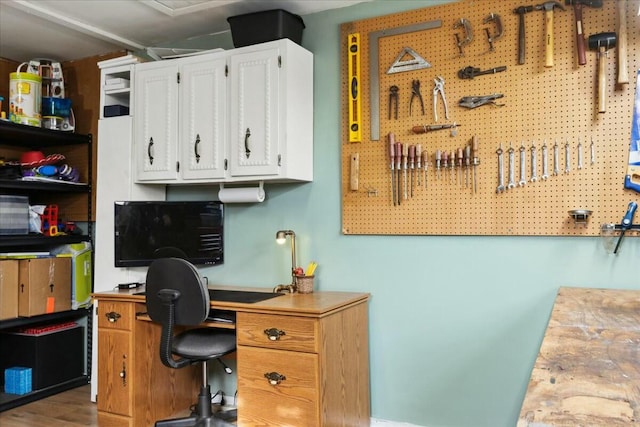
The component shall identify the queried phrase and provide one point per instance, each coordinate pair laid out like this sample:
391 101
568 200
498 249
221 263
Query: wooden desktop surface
588 370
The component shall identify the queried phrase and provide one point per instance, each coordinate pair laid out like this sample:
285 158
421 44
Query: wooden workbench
588 370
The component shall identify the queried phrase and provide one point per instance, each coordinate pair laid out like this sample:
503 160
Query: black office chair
178 296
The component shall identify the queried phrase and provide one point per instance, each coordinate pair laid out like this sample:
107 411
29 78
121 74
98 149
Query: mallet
602 42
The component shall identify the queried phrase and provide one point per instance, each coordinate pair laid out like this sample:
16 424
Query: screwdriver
460 167
452 165
405 155
392 141
419 162
467 162
476 162
412 163
425 163
398 168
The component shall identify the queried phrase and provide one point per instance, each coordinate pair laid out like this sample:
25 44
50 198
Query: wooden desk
323 353
588 370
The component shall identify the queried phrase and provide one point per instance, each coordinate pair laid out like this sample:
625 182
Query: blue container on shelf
56 107
17 380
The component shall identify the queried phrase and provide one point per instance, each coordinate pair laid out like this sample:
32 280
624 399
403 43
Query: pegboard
541 104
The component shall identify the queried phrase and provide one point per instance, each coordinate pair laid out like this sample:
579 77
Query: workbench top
588 370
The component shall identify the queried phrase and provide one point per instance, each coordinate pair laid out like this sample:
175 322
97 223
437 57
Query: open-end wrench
500 188
593 151
512 166
567 157
523 166
534 162
556 160
545 162
579 154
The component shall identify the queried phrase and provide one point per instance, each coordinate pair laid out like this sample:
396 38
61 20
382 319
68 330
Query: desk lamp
281 238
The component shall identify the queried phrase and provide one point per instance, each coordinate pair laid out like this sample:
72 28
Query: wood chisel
419 162
392 150
355 125
405 158
398 169
476 161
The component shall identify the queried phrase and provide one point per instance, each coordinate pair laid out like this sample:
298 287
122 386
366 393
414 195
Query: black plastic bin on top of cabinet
269 25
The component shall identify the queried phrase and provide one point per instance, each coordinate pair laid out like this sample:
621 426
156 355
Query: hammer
548 15
521 11
602 42
577 12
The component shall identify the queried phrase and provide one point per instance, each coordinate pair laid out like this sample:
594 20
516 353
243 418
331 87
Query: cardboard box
54 357
81 265
44 286
8 289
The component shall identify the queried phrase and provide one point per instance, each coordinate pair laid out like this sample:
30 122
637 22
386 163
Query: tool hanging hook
468 34
495 18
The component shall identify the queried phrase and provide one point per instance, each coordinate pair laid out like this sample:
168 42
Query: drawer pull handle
274 334
112 316
274 378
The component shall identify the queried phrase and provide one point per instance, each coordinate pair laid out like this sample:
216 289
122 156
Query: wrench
512 160
500 188
545 162
523 166
593 152
534 168
556 160
579 154
567 157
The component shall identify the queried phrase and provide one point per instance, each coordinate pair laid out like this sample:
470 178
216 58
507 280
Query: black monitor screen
189 230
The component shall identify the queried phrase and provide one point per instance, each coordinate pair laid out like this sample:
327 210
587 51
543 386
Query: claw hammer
548 19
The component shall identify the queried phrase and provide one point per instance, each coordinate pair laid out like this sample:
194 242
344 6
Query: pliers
439 89
415 92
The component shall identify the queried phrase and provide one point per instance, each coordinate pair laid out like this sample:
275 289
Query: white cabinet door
203 100
156 121
255 117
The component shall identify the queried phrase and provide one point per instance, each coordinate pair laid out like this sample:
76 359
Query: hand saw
632 178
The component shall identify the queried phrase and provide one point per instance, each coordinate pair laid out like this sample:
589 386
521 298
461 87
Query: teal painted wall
455 322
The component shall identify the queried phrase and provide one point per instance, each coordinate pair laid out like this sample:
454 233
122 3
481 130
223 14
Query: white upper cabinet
240 115
180 119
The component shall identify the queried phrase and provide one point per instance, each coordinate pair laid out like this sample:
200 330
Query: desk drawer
278 332
116 315
294 401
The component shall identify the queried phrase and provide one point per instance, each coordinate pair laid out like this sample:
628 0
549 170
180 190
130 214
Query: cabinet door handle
195 148
247 152
274 378
274 334
112 316
149 150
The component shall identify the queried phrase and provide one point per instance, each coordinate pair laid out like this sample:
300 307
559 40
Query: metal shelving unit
16 137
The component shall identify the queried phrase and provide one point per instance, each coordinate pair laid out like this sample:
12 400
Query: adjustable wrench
500 188
556 160
545 162
512 161
523 165
534 166
567 157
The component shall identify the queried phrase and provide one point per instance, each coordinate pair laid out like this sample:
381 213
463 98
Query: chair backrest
192 305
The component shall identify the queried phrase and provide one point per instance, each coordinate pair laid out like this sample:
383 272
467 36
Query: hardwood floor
72 408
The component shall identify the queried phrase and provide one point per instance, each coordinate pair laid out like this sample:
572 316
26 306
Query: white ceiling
74 29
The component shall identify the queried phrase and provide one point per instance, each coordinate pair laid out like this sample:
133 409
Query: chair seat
204 343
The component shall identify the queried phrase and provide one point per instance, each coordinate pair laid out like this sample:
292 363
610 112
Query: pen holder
305 284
